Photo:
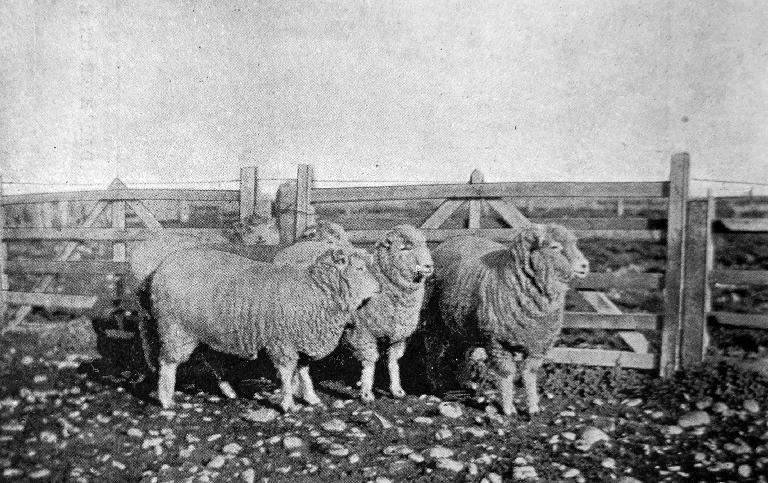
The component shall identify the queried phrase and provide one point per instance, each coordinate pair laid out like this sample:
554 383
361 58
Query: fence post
3 254
673 280
304 181
696 290
118 248
475 205
249 186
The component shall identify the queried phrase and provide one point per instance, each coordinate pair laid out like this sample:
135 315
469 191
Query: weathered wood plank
593 320
3 256
441 215
248 191
500 234
304 188
493 190
475 210
676 214
51 300
745 224
696 286
509 213
145 215
52 266
125 195
599 357
603 305
633 223
739 277
755 321
600 281
94 234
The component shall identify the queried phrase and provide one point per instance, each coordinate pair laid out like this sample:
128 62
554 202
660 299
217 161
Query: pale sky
525 90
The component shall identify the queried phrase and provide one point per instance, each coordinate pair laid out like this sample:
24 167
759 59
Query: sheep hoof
534 410
397 392
288 406
367 397
509 410
313 400
227 390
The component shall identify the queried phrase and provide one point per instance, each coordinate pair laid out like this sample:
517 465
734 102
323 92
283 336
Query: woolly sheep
402 262
239 306
508 298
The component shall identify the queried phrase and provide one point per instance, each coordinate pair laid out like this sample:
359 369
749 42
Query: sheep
402 262
508 298
240 306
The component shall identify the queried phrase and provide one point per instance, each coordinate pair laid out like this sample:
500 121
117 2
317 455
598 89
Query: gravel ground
67 419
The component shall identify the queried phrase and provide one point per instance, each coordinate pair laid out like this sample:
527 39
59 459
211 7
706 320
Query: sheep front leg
530 372
166 385
505 366
307 388
396 352
367 352
286 370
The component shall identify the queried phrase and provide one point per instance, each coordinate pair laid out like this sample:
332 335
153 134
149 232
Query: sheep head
403 257
550 254
332 233
343 274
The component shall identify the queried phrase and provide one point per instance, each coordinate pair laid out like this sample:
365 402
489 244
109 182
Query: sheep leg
505 366
367 352
224 386
166 385
396 351
530 371
286 371
307 388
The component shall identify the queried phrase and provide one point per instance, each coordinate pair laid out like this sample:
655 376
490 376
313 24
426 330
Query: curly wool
489 292
239 306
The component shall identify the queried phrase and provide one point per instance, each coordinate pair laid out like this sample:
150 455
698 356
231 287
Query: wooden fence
701 275
480 197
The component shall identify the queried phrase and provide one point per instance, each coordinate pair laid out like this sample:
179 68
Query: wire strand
712 180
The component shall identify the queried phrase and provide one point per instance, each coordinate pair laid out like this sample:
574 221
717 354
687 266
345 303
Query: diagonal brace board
603 305
443 212
509 213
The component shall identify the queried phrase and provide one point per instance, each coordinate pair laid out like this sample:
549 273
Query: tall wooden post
673 280
118 248
3 254
249 186
699 254
475 205
304 182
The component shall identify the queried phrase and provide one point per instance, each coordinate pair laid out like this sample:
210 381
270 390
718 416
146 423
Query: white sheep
240 306
508 298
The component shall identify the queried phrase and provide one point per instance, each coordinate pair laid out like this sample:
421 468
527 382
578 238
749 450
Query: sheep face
403 256
344 273
332 233
554 252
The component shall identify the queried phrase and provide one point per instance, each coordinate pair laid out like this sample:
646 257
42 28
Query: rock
440 452
151 442
745 471
520 461
397 449
672 430
477 432
590 436
12 473
232 448
751 406
693 418
443 434
609 463
135 433
493 478
450 410
525 473
416 458
628 479
633 402
334 425
704 403
568 435
385 424
39 474
48 437
720 408
422 420
449 464
571 473
353 459
262 415
249 475
472 469
292 442
337 449
27 360
217 462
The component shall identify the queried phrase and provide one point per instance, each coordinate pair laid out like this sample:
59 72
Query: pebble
416 458
477 432
672 430
353 459
39 474
745 471
151 442
443 434
249 475
633 402
450 465
493 478
450 410
27 360
334 425
568 435
422 420
693 419
337 449
440 452
12 472
263 415
571 473
292 442
609 463
397 449
40 378
590 436
135 433
217 462
232 448
525 473
628 479
720 408
752 406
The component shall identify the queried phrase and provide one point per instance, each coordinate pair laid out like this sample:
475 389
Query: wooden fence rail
480 197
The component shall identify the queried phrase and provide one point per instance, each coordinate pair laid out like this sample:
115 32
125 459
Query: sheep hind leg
286 371
224 386
367 352
307 388
505 367
530 372
166 385
396 351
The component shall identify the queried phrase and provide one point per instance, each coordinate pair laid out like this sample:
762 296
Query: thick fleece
402 262
508 299
240 306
